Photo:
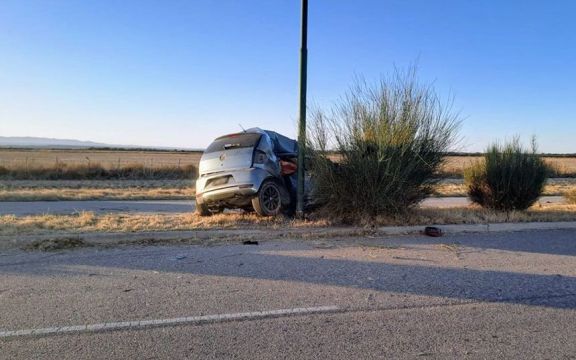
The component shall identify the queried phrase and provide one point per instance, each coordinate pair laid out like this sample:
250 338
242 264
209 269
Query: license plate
220 181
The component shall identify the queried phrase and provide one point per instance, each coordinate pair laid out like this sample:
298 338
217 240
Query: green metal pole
302 117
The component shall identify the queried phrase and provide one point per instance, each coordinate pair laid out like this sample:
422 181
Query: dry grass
107 158
32 190
88 222
450 187
50 190
95 184
453 166
477 215
554 187
96 171
61 194
571 196
564 166
42 164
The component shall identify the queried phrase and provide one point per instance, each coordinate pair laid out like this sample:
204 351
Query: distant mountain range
17 141
49 143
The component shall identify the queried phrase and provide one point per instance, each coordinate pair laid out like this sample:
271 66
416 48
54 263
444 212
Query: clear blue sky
179 73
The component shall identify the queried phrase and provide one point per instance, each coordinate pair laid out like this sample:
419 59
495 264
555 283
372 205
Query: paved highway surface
169 206
462 296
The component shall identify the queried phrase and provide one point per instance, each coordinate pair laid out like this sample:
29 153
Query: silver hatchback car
254 170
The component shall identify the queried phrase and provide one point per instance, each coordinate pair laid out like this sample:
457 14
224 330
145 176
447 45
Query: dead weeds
456 187
56 244
45 190
89 222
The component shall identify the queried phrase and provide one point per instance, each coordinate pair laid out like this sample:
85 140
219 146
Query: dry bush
509 177
390 139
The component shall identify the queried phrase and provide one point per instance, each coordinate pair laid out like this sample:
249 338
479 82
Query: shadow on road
553 242
240 262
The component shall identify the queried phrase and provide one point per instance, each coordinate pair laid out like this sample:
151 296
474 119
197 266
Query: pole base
299 214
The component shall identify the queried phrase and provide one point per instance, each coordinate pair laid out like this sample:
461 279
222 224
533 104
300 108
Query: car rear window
234 141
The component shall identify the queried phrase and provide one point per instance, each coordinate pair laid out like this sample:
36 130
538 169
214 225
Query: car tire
271 200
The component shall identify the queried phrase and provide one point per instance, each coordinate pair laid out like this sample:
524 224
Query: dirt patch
56 244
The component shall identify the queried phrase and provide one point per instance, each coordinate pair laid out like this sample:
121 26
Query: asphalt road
170 206
68 207
468 296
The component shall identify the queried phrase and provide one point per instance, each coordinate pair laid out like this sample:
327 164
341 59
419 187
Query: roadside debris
250 242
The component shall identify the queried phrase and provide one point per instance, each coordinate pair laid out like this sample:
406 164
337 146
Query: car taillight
287 167
259 157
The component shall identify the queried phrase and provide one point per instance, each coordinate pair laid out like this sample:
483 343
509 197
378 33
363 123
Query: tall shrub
509 177
386 141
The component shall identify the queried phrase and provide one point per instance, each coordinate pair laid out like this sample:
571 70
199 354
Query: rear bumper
227 193
244 185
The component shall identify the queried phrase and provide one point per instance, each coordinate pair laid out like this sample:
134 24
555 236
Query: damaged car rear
254 170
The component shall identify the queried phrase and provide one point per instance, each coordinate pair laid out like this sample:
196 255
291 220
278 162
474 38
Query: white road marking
193 320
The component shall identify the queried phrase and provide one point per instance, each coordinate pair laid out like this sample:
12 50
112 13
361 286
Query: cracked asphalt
491 295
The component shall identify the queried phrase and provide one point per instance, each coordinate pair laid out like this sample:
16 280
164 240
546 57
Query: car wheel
271 199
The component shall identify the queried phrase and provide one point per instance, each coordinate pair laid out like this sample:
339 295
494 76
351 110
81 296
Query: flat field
11 158
564 166
181 188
